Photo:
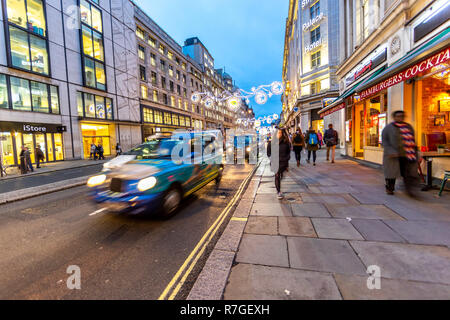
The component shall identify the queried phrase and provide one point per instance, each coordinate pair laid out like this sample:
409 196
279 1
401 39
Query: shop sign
369 66
327 101
312 22
30 127
332 110
409 73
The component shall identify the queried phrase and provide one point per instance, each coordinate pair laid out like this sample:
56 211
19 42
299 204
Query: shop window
39 96
100 107
89 105
28 35
59 150
109 108
167 118
373 110
93 51
3 92
182 121
93 106
148 115
175 119
315 59
188 122
158 117
80 107
7 148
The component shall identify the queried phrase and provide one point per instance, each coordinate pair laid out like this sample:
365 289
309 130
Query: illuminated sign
305 3
312 22
409 73
332 110
313 45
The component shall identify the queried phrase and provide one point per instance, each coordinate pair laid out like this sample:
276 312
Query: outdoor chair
444 181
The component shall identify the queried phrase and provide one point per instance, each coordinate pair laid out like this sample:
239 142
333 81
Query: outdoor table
427 156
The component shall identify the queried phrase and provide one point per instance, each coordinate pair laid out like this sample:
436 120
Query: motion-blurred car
157 182
244 145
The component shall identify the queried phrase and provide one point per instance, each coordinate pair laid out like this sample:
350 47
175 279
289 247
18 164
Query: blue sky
244 36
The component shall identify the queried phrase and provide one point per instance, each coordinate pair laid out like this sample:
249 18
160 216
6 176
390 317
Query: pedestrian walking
100 152
320 136
283 159
118 150
312 145
298 142
93 154
39 156
23 161
400 154
331 140
28 159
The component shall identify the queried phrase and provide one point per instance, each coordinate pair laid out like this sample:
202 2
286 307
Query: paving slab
243 209
252 282
271 209
412 209
264 250
335 229
296 226
310 210
364 211
406 261
355 288
338 189
324 255
328 199
262 225
423 232
376 230
229 241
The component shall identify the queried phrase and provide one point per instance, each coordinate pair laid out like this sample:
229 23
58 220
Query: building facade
68 77
311 57
397 58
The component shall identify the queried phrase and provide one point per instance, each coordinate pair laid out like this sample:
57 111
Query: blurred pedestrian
93 153
298 141
320 136
400 154
28 159
312 144
100 152
283 159
39 156
118 150
331 140
23 161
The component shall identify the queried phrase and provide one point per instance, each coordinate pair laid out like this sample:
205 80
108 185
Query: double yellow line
174 286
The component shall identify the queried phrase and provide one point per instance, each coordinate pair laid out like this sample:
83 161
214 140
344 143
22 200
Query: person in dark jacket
331 140
39 156
28 159
312 144
100 152
400 157
23 161
283 158
298 142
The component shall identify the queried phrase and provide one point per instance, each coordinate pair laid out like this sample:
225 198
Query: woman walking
283 159
298 141
312 144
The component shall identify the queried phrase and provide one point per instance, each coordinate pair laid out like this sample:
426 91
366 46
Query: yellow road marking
238 219
200 247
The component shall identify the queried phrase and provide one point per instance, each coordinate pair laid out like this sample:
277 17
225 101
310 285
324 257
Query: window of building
152 42
143 73
178 75
4 100
162 64
158 116
315 59
170 55
161 49
182 121
39 97
93 106
315 87
315 34
163 82
184 92
92 46
315 10
178 89
140 33
184 78
186 105
175 119
172 101
180 103
167 118
154 79
183 65
155 96
148 115
171 71
153 59
165 99
171 86
141 53
28 35
177 60
144 92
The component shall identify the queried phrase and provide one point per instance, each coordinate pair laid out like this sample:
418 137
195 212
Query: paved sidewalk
335 222
52 167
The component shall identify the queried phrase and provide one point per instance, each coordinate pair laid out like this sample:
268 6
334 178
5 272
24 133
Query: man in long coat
400 154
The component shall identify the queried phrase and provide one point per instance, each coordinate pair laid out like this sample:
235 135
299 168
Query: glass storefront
94 133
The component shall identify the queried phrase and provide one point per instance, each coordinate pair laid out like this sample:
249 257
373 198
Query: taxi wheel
171 201
219 176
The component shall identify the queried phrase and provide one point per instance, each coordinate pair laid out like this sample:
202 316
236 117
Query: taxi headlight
248 149
146 184
96 180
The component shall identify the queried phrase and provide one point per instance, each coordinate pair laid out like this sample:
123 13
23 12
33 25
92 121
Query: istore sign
409 73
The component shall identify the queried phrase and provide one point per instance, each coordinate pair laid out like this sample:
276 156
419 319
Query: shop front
98 134
14 135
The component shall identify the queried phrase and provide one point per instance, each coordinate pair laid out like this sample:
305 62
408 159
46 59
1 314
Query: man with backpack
298 141
331 139
312 144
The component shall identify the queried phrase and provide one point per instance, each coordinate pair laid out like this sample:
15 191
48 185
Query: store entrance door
358 137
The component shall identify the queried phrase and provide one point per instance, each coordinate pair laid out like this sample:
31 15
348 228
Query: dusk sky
244 36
